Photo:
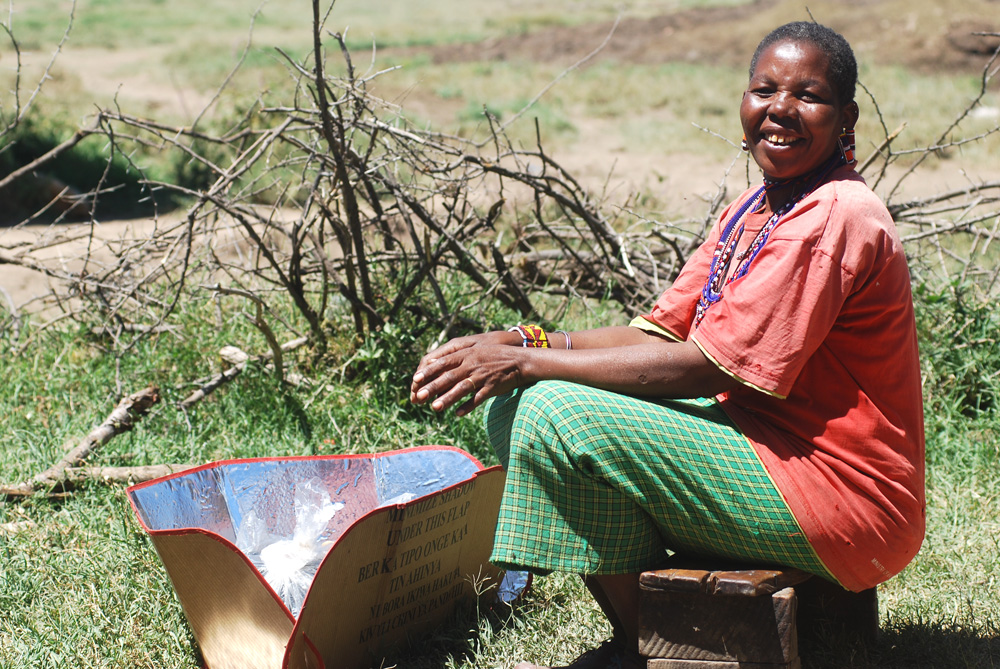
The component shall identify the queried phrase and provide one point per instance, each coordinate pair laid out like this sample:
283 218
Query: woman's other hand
476 367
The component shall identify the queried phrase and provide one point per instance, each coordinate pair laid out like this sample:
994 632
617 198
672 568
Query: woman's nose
782 104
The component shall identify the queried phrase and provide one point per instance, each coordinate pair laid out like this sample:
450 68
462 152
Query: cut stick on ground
126 475
239 360
120 420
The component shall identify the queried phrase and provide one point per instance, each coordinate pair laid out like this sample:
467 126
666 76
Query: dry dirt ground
924 35
927 36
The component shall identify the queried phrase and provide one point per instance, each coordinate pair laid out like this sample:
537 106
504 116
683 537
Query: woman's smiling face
790 112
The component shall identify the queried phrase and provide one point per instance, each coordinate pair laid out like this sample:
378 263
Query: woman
795 317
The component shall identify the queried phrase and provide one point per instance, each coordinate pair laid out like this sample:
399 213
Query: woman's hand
479 366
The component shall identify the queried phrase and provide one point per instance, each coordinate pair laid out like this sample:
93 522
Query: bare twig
261 324
562 75
217 381
51 154
880 148
122 419
988 73
335 202
123 475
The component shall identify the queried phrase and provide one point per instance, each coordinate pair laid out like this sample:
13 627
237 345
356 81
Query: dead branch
335 201
214 383
210 387
261 324
121 475
881 148
575 66
988 73
15 317
20 111
51 154
73 477
120 420
106 331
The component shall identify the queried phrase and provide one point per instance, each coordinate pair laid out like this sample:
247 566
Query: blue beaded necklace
730 237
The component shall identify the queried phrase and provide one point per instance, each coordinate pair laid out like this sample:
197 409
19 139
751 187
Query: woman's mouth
780 140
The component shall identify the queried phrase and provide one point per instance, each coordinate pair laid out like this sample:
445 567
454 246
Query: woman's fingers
428 371
445 390
445 382
470 369
467 406
460 389
439 377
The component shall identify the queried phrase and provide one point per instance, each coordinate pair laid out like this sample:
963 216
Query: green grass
123 24
84 587
640 109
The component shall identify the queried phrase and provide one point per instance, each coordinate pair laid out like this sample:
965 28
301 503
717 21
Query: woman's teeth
780 141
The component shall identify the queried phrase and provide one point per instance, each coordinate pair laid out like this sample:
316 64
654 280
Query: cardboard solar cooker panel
324 561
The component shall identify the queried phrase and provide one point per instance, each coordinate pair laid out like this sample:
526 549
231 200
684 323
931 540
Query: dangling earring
744 145
847 146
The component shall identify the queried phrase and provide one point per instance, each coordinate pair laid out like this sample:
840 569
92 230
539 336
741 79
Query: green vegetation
80 584
167 59
122 24
84 587
91 165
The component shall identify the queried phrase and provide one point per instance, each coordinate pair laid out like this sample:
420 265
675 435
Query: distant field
81 585
657 104
123 24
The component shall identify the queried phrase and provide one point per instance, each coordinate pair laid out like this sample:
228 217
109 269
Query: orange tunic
821 334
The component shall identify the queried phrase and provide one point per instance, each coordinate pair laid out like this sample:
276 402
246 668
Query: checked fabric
602 483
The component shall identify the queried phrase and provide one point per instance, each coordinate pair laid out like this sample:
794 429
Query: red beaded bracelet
532 336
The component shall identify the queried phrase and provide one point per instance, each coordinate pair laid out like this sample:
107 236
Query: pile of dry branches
335 203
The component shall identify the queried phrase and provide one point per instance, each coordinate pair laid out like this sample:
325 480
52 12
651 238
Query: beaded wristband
532 336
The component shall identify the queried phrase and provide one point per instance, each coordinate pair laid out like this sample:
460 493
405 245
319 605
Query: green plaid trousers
602 483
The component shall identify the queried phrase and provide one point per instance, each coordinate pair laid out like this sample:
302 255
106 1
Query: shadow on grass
904 646
916 645
456 641
85 181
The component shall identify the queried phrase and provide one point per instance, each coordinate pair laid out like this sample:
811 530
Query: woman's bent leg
601 483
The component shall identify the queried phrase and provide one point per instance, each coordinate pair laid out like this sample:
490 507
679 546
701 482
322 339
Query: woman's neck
778 193
778 196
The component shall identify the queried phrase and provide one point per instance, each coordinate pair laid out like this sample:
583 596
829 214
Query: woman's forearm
645 365
469 370
607 337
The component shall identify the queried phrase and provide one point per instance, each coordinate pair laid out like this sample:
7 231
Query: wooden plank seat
695 615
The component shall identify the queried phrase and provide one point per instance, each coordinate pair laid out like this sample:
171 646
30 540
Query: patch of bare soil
926 35
919 35
922 34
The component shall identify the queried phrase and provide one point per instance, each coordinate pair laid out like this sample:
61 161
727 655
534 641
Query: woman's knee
524 417
550 399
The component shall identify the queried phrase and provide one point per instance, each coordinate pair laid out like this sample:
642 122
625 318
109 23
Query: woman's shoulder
842 206
849 195
853 225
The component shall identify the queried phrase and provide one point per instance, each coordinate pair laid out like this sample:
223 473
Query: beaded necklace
730 237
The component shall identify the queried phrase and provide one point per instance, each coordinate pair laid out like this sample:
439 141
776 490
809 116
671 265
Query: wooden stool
729 618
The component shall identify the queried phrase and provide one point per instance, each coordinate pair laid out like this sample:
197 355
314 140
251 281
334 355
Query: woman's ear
851 114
